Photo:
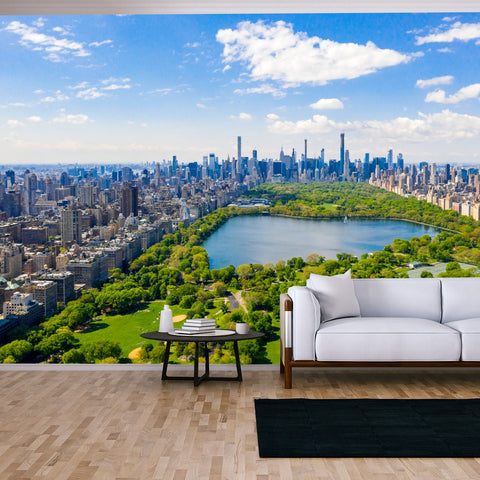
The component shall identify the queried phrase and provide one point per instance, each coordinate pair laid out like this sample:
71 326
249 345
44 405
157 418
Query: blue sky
116 89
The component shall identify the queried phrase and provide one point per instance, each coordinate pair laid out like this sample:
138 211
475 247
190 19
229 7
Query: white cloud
444 126
272 117
327 104
79 86
201 105
449 19
439 96
109 81
318 124
61 30
40 22
14 123
90 94
241 116
75 146
115 86
53 57
226 68
59 97
266 89
431 82
78 119
57 48
163 91
168 91
35 119
275 52
99 44
458 31
445 50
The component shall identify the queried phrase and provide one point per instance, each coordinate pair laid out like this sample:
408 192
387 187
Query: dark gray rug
368 428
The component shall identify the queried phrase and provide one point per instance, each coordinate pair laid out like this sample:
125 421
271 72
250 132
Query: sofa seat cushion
470 331
386 339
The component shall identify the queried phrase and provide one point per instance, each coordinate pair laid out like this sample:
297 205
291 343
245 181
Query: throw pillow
336 295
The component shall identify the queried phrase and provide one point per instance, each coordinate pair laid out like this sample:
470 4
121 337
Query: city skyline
124 89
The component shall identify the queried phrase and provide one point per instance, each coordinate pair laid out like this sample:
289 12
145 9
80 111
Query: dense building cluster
65 231
456 188
451 187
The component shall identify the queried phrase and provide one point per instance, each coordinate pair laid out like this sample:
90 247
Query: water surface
268 239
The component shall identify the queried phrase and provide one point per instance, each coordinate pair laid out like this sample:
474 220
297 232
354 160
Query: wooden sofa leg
282 367
288 368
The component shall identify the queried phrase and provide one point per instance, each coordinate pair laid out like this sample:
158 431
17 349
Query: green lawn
329 206
126 329
273 351
273 348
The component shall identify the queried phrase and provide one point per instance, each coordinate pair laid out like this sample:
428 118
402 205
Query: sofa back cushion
460 298
399 297
335 294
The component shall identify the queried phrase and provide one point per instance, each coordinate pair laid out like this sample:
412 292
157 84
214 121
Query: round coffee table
217 336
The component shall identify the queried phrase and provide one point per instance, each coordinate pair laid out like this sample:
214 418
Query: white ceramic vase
166 320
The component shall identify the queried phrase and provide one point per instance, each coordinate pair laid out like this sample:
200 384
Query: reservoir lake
267 239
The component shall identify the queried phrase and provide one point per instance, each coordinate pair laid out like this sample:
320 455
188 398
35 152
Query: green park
104 325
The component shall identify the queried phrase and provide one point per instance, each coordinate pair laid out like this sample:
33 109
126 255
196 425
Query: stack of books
197 326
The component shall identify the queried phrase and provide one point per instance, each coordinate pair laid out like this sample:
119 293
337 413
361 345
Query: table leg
207 360
195 365
237 360
206 376
165 360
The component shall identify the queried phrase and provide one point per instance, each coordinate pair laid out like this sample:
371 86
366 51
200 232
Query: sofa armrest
286 307
305 322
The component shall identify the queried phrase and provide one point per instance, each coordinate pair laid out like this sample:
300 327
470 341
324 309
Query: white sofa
339 321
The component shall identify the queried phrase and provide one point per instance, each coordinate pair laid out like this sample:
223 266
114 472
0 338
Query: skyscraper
342 156
45 293
71 226
390 158
10 178
127 174
129 200
239 149
400 162
366 167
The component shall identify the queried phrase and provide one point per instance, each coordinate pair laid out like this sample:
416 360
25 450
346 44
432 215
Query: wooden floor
125 423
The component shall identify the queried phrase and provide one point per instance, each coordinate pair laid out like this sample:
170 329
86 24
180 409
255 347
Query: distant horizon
133 89
140 165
